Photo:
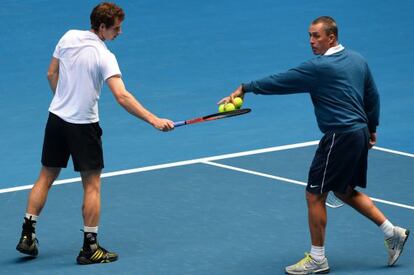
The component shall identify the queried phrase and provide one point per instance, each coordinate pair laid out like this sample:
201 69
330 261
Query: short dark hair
106 13
329 25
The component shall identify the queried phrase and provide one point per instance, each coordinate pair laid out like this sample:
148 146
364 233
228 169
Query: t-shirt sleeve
62 44
372 101
56 53
109 66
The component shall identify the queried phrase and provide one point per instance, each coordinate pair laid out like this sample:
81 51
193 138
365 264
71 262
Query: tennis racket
212 117
332 201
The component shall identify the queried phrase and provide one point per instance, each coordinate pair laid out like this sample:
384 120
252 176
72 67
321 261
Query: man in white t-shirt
80 64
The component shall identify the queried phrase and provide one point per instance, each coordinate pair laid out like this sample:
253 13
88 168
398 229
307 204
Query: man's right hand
163 124
372 140
236 93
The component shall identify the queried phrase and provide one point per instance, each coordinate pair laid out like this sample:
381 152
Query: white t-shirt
84 64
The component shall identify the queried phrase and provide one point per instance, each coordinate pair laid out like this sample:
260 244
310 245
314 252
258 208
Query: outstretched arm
296 80
132 105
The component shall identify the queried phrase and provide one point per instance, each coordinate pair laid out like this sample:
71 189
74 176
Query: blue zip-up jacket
341 86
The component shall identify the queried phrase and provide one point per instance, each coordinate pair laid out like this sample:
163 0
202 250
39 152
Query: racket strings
333 201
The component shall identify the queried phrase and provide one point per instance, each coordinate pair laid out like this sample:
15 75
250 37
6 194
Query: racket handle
179 123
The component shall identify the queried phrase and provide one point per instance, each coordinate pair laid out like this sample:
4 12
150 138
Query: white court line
225 166
174 164
195 161
393 152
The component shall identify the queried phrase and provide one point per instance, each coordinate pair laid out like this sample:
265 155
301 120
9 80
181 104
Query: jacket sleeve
296 80
371 102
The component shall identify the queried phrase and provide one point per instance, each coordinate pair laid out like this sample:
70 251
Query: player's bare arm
131 104
53 74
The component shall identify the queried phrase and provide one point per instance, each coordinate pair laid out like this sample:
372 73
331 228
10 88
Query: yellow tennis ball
229 107
238 102
221 108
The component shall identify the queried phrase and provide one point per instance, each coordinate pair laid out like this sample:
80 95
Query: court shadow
23 259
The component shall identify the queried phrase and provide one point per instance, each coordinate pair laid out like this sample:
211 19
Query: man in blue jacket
346 104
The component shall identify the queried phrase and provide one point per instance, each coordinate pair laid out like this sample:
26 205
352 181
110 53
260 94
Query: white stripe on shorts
327 162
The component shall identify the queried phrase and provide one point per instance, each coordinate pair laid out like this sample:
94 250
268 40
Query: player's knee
312 198
92 189
49 174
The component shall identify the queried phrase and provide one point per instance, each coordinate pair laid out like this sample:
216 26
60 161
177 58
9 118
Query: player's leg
395 237
91 251
37 199
91 207
55 156
317 217
87 154
363 204
40 190
315 261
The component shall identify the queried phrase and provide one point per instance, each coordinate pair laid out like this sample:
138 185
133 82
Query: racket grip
179 123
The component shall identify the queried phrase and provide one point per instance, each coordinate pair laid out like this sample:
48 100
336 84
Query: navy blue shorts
340 161
81 141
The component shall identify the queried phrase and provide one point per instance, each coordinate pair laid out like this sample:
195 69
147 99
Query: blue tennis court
224 197
226 214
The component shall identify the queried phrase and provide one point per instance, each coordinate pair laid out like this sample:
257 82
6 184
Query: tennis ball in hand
229 107
238 102
221 108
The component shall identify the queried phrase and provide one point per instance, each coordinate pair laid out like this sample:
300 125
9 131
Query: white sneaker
395 244
308 266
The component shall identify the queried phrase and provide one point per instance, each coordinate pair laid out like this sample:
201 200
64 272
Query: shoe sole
407 233
85 261
24 250
320 271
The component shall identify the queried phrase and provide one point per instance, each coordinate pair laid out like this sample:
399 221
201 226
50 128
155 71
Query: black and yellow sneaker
97 256
28 245
28 242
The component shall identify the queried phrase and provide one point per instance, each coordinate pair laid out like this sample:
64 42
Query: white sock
388 228
31 217
317 253
89 229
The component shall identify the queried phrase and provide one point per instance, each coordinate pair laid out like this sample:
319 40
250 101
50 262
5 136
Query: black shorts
340 161
81 141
